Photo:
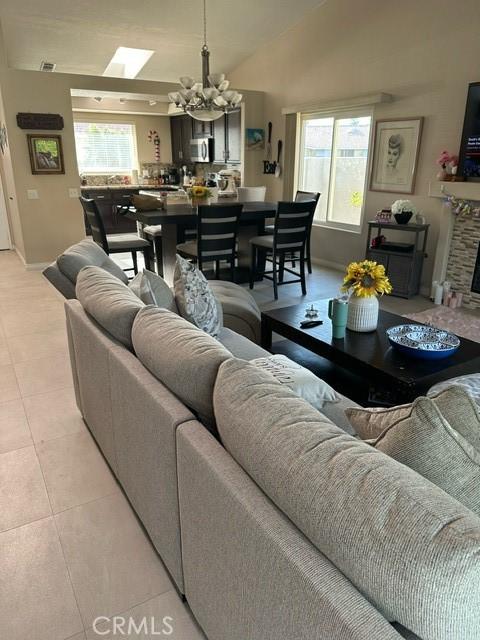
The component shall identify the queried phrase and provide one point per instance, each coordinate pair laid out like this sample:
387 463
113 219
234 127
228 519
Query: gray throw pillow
109 302
195 299
369 423
432 441
152 289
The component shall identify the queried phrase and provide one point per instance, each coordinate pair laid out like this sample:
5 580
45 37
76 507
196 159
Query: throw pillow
301 381
195 299
427 443
370 423
470 383
152 289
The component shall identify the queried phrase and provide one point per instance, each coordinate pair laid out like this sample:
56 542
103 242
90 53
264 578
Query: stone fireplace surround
458 241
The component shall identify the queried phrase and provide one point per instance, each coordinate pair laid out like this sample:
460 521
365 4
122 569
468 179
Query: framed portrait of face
46 154
395 155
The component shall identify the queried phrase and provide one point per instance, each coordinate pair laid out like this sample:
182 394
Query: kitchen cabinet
227 133
182 132
202 129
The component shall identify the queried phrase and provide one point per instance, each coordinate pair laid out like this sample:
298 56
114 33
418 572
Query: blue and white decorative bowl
420 341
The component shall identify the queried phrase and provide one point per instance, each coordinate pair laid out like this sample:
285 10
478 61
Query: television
469 159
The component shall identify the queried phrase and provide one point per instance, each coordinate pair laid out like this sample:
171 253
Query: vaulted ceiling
81 36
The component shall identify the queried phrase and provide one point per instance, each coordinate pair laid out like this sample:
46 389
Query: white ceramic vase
362 314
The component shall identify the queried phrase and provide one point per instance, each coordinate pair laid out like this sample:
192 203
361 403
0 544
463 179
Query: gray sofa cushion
180 355
240 346
411 549
109 302
84 254
240 311
53 274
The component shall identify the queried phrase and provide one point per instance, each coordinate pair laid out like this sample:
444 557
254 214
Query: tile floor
71 548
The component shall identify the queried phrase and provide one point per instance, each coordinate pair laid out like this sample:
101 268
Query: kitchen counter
129 187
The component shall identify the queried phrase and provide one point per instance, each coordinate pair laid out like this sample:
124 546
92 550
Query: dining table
176 217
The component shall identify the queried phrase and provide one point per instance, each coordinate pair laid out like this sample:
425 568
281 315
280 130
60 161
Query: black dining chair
302 196
217 226
115 243
293 221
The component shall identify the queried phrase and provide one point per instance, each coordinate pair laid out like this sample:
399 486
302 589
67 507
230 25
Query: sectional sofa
272 520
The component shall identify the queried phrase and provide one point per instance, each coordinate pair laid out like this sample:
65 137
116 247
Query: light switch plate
32 194
73 193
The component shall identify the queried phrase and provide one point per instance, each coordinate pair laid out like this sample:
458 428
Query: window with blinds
105 147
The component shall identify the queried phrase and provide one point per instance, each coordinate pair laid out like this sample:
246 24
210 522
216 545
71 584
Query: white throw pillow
195 299
152 289
301 381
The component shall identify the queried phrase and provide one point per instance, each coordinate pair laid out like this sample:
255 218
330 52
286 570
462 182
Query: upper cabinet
227 133
202 129
182 133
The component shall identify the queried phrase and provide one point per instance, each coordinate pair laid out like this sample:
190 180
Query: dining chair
251 194
217 226
115 243
302 196
292 223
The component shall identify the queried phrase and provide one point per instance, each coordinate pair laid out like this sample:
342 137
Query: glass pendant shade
205 115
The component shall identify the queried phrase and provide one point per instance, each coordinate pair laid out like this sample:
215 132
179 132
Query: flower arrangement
448 161
198 191
366 279
404 206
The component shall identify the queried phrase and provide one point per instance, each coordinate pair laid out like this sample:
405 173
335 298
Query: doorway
4 230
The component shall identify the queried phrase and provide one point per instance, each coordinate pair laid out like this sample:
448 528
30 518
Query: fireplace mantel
464 190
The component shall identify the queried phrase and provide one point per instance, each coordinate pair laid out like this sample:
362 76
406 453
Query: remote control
309 324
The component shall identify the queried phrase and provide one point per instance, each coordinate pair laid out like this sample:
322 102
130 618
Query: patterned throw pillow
301 381
195 299
471 384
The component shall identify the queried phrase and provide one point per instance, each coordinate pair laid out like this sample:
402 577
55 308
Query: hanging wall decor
46 155
155 138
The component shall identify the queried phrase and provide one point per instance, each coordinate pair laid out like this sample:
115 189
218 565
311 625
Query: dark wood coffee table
390 377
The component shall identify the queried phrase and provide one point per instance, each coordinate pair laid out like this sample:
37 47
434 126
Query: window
333 160
105 147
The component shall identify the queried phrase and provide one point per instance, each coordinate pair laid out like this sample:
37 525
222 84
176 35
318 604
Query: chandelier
210 99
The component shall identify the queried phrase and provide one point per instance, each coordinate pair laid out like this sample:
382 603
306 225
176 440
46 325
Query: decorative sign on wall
155 138
46 154
255 138
50 121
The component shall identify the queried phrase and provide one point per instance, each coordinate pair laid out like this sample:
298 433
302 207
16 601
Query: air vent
47 66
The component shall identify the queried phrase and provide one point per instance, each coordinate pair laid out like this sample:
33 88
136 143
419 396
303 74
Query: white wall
424 53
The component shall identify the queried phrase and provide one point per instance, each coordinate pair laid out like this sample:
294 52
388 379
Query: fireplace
476 273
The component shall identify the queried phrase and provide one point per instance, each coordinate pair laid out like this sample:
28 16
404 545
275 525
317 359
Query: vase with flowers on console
198 195
364 281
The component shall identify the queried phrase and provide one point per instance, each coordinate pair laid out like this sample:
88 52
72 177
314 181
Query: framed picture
46 154
255 138
3 138
395 155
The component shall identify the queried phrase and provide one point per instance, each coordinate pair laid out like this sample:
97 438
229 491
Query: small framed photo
395 155
46 154
255 138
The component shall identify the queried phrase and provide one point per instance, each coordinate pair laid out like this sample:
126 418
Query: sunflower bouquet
365 279
198 191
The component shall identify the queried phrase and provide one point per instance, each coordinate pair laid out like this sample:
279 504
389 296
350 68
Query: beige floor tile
29 305
12 278
36 597
14 429
74 471
43 375
24 293
80 636
165 613
111 562
23 497
9 389
54 414
26 323
38 345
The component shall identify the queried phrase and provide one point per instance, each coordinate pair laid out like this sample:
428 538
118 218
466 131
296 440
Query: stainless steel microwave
201 149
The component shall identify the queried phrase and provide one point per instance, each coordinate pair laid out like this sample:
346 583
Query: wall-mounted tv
469 160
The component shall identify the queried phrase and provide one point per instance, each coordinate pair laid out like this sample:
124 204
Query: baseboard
336 266
31 266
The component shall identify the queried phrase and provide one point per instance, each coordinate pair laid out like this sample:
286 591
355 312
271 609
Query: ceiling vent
47 66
